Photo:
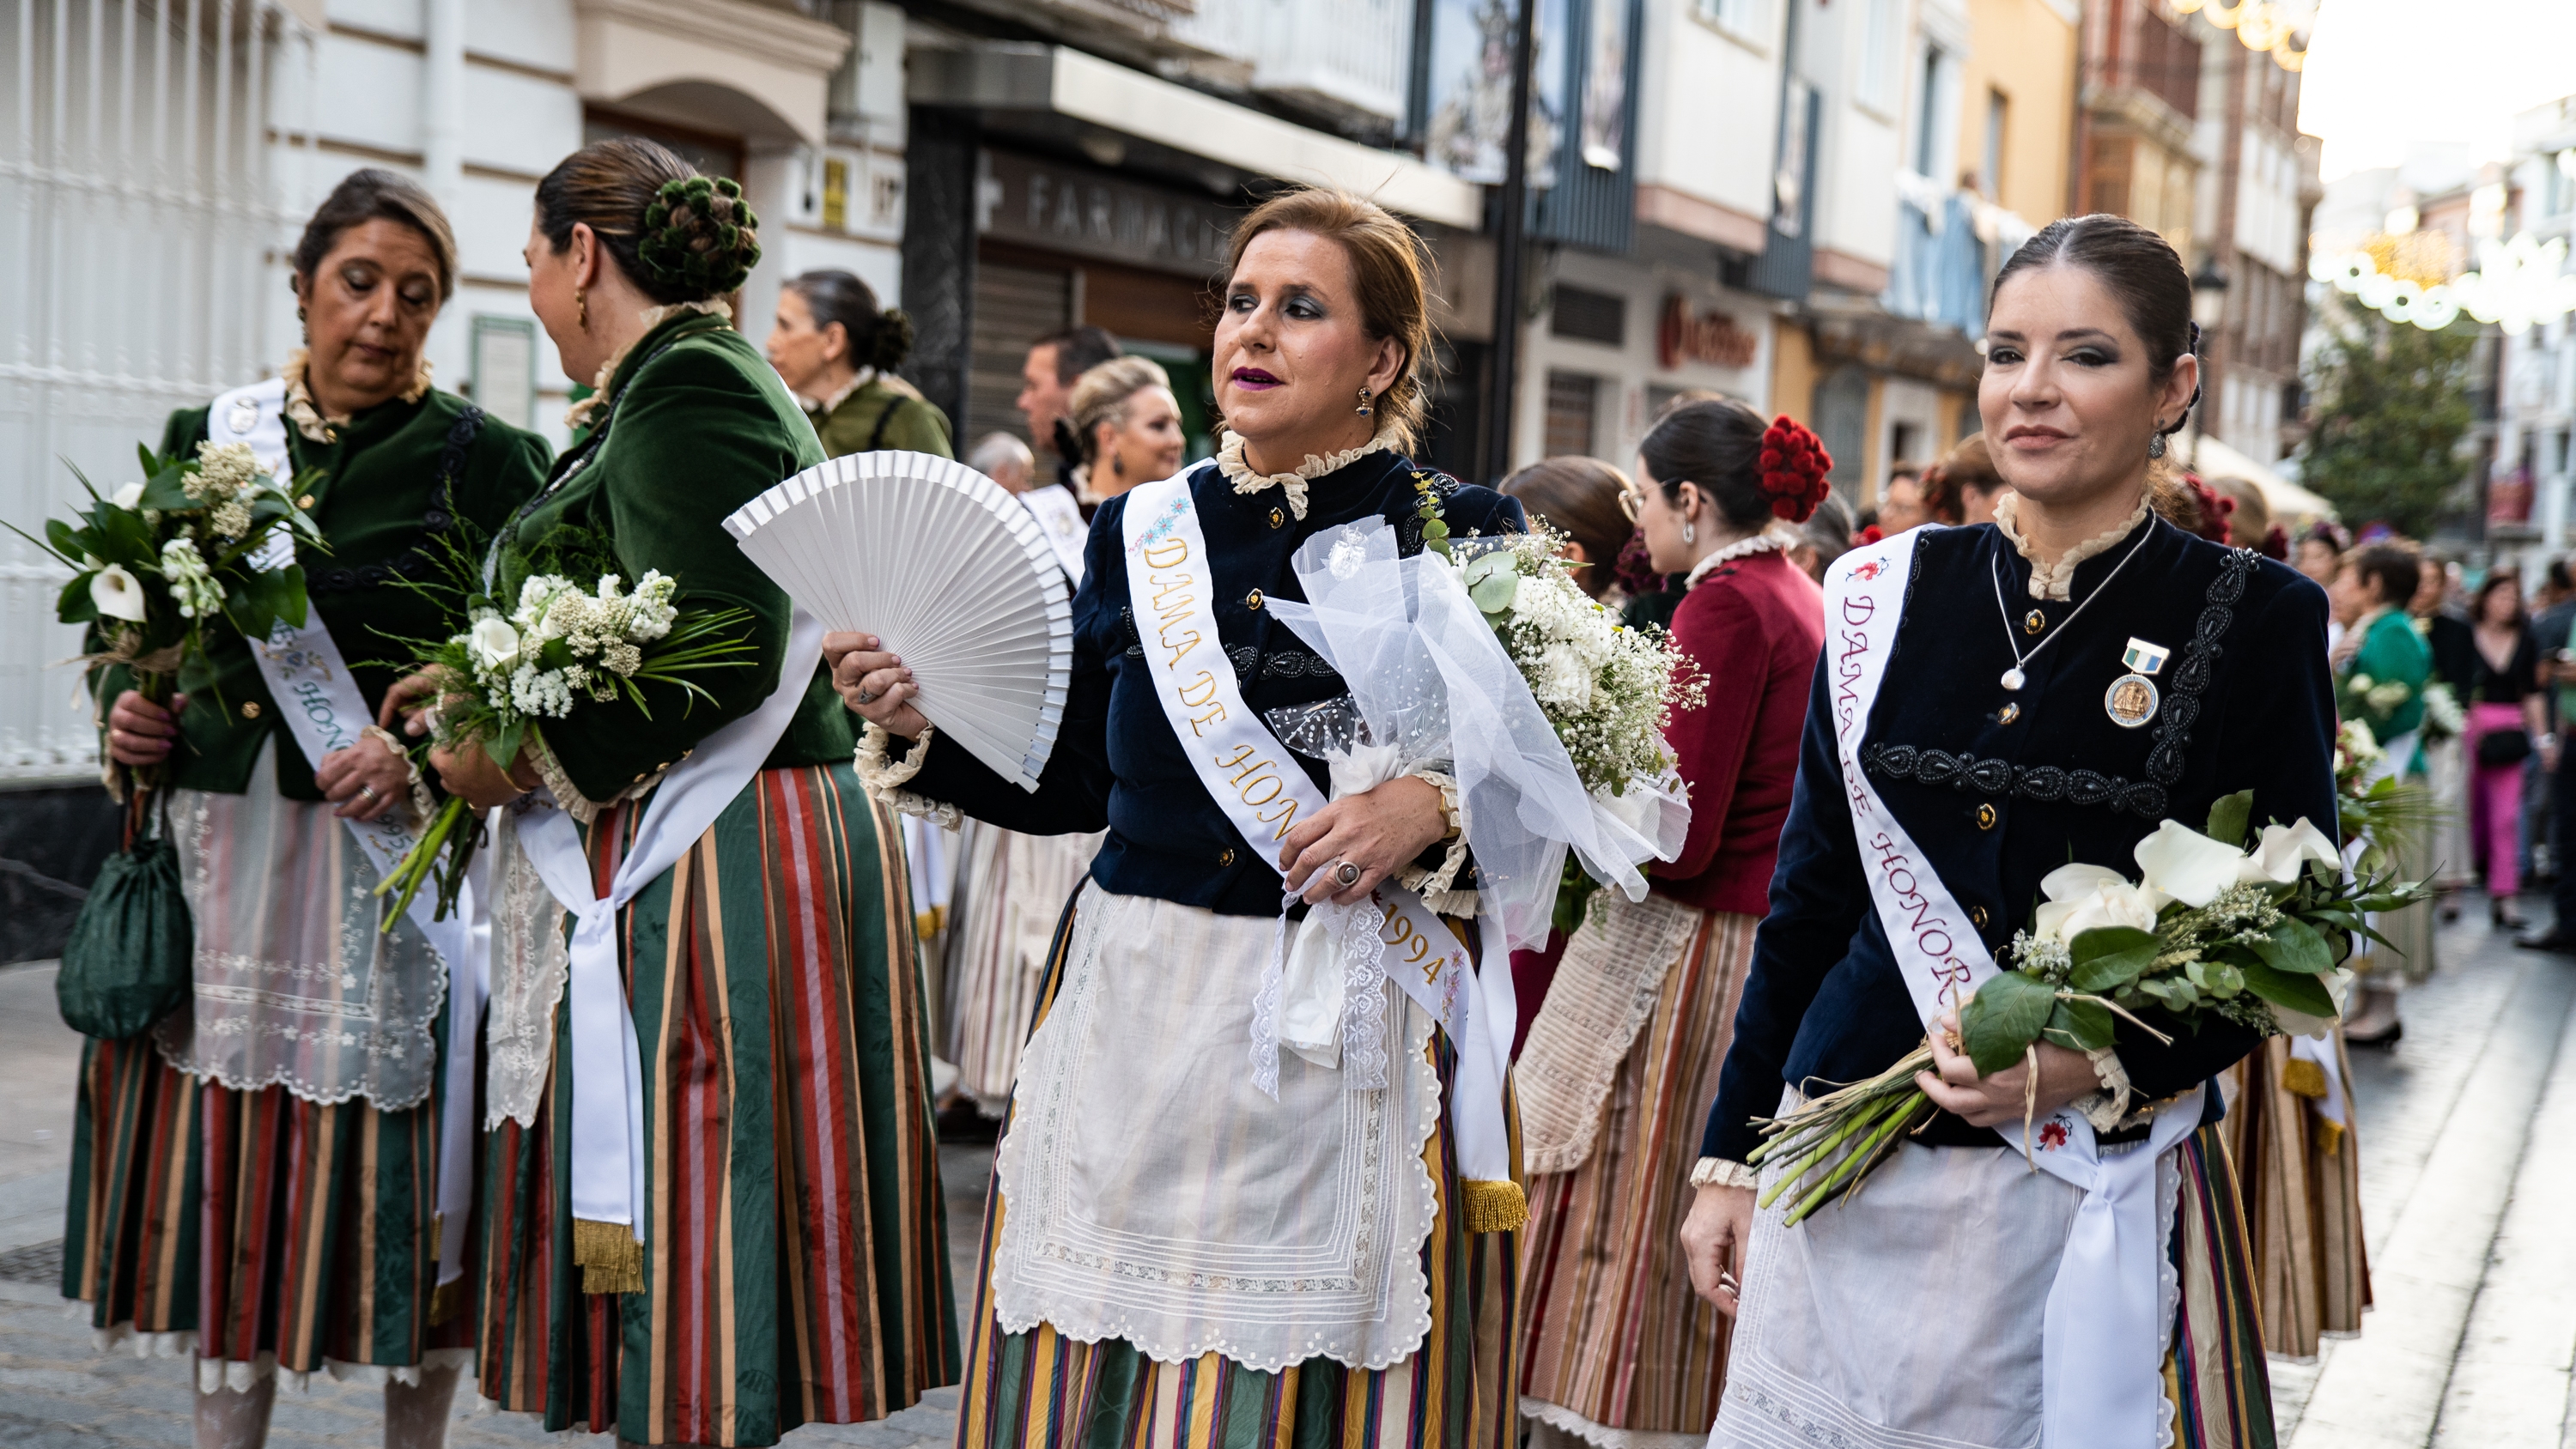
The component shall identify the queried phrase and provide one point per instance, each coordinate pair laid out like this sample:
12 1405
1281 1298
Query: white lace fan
947 568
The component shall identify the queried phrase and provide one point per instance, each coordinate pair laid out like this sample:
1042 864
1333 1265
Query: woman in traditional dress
257 1180
1620 1353
837 352
1174 1256
786 1263
1129 424
1996 702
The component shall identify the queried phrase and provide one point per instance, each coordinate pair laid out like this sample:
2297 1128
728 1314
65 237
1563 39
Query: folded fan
950 571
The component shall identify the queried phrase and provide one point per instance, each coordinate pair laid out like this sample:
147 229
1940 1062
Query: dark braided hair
878 337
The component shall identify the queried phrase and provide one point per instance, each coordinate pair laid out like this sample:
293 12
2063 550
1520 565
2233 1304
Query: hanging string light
2518 283
2260 24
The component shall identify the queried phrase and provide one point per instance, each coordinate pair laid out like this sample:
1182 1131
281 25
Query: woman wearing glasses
1639 1014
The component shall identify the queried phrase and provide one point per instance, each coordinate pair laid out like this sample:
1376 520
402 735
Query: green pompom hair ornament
700 235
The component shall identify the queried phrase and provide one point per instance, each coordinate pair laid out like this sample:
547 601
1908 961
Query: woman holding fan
1993 704
737 1230
257 1178
1174 1255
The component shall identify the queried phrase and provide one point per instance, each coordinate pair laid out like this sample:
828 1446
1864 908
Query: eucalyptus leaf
2005 1016
1495 591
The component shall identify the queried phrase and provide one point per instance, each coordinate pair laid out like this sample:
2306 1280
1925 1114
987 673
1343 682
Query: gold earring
581 308
1364 402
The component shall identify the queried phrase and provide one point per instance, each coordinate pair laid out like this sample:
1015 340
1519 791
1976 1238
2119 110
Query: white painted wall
1629 371
1708 104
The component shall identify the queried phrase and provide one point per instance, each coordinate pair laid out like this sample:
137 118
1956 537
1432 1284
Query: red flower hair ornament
1793 467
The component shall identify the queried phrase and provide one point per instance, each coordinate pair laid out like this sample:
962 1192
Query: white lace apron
295 986
531 960
1155 1195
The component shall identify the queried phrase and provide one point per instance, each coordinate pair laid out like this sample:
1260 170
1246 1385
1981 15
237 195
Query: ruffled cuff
424 805
2109 1109
1437 882
885 778
1719 1172
583 809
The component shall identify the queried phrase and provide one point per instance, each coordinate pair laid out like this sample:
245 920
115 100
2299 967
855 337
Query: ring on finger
367 790
1347 873
867 696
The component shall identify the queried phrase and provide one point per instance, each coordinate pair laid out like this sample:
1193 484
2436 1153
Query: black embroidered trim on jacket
2199 663
1281 664
441 517
2047 784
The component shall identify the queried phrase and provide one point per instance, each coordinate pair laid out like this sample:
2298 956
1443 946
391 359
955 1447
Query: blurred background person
1620 1350
1055 362
1963 485
2320 552
2446 762
2254 526
1004 459
1128 426
2381 667
1579 499
837 351
1823 538
1901 505
2507 725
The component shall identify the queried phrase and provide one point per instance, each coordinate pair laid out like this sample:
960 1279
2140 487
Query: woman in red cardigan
1625 1050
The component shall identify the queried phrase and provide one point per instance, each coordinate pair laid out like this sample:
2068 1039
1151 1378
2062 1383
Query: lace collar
307 416
1763 542
2058 581
578 415
825 407
1229 461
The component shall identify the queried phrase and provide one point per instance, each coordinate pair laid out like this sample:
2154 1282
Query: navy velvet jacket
1996 803
1116 761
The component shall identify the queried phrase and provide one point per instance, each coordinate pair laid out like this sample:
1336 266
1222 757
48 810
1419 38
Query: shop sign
1713 337
1089 214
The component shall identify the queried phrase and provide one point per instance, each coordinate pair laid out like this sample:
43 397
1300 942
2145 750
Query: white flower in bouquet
493 644
192 584
2081 898
127 496
118 593
224 471
2443 717
541 692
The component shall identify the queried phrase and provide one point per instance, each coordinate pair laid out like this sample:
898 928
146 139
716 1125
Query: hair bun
700 236
892 342
1793 466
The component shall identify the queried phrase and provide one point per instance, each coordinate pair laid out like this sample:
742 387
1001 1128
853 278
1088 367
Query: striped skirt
1041 1390
2301 1176
261 1231
795 1264
1619 1349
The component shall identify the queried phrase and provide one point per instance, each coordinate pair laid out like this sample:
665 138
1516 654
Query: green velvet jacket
907 423
376 504
696 424
2393 653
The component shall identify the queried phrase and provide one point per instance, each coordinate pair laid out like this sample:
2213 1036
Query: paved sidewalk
2471 1222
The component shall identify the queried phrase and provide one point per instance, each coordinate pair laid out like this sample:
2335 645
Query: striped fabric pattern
257 1221
2216 1377
1040 1390
1616 1337
2302 1183
796 1257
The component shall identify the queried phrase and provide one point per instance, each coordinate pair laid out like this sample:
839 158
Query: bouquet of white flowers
158 563
2218 926
561 644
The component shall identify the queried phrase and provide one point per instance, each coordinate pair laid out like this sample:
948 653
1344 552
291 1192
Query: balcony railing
1940 270
1345 58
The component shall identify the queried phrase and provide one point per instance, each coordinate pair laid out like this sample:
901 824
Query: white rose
128 496
492 643
2187 865
118 593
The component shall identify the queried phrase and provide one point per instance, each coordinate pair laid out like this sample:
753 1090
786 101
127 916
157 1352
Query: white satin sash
1255 780
313 689
2102 1349
607 1069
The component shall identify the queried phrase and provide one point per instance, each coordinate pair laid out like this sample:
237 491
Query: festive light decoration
2259 24
2517 284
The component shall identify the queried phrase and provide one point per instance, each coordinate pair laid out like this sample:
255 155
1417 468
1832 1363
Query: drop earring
2155 447
1690 531
1364 402
1118 465
581 308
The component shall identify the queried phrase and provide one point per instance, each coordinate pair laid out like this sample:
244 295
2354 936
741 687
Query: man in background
2550 629
1055 362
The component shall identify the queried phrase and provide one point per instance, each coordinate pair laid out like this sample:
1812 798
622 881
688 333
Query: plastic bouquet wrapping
572 637
200 547
1486 660
2221 925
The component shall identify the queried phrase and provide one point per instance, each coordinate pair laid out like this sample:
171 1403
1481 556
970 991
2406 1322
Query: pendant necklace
2014 678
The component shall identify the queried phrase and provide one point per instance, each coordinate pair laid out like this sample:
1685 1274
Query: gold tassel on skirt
611 1258
1492 1207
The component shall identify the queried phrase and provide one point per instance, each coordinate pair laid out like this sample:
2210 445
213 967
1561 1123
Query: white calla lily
118 593
2110 903
2282 851
128 496
493 643
2187 865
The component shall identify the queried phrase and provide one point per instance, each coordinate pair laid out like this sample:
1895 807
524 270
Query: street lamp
2208 309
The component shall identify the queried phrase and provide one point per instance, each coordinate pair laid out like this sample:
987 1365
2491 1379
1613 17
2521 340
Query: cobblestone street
2471 1342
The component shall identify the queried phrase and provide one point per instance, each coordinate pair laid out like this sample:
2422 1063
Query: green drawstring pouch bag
129 961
